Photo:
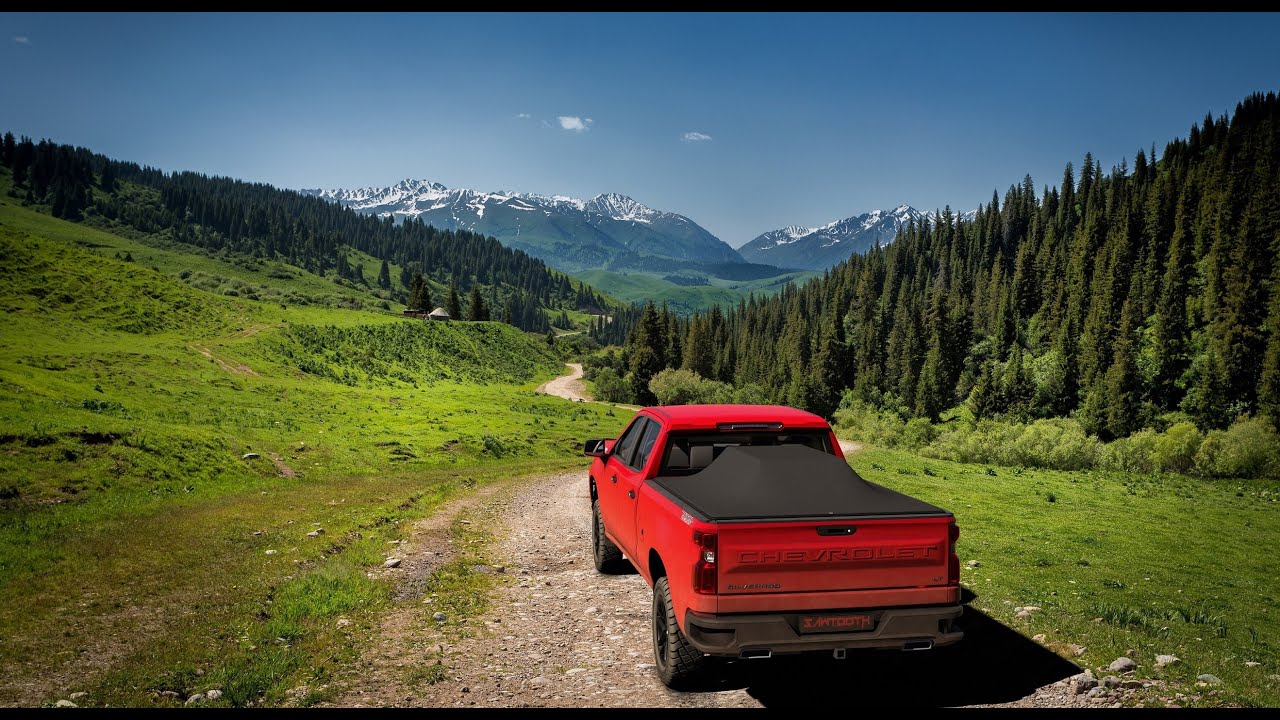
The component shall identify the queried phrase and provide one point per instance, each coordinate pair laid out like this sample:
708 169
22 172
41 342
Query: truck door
614 504
630 477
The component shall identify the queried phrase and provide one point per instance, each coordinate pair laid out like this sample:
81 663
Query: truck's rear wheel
678 663
607 555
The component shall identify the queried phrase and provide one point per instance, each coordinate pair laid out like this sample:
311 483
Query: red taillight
953 562
704 571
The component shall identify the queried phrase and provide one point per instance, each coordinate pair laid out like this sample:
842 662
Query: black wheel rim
660 633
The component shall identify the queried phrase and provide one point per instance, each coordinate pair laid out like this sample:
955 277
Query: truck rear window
689 453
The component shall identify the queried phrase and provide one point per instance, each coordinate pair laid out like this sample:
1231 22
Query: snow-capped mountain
819 248
608 231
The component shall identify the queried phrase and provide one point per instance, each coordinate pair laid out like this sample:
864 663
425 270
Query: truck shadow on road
992 664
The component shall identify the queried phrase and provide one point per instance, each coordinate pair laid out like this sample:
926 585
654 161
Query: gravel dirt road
557 633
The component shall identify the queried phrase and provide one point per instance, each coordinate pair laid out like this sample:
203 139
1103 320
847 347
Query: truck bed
786 483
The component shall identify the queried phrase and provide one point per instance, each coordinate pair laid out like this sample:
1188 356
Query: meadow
158 439
1121 564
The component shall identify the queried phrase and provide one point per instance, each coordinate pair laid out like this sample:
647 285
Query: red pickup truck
759 539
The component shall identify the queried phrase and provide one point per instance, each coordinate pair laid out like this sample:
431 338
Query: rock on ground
1122 664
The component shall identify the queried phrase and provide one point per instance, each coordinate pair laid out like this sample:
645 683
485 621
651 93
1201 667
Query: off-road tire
679 664
608 557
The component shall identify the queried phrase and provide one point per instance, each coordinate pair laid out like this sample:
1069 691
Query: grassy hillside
133 535
1121 564
642 286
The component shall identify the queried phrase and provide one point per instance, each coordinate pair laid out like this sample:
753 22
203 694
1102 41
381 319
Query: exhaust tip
918 645
755 653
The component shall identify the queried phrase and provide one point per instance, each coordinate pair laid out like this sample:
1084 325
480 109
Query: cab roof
711 417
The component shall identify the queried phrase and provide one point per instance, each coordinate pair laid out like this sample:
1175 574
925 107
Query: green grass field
1170 564
642 286
134 537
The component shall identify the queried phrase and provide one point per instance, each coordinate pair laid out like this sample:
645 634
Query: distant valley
628 249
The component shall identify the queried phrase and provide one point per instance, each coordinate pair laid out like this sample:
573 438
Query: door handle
613 478
631 494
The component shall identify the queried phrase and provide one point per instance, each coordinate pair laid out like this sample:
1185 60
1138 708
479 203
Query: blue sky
743 122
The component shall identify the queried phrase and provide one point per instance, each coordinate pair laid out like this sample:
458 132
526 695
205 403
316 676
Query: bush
1060 444
611 387
685 387
750 394
986 441
860 421
1130 454
1175 448
1248 449
917 433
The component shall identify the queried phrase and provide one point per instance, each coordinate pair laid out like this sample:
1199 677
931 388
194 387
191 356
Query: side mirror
597 448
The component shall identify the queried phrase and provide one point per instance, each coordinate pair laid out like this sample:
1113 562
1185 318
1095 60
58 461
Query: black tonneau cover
786 482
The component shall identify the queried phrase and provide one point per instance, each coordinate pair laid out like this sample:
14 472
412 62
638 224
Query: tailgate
833 555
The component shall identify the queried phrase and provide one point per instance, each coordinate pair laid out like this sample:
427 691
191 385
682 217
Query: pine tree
453 305
983 399
1121 388
1211 410
645 360
384 276
476 311
830 365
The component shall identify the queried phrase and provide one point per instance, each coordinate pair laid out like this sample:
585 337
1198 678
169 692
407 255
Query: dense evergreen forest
258 220
1115 297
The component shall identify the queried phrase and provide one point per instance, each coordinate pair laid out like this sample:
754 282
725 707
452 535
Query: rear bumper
777 632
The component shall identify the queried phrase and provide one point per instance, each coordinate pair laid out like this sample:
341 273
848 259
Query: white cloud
575 123
22 39
523 116
694 136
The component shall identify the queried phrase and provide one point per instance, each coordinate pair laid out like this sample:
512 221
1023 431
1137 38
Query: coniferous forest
1115 297
252 219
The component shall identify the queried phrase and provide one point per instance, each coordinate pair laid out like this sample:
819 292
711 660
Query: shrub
610 387
917 433
1060 444
864 423
1248 449
685 387
1175 448
1130 454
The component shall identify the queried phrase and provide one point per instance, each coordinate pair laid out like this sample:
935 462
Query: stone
213 695
391 563
1039 637
250 456
973 564
575 671
1096 693
1076 650
78 695
439 617
1111 681
1166 660
1247 663
1122 664
1032 608
343 622
195 699
1132 684
500 568
1209 679
316 533
1083 683
1023 614
645 666
592 610
168 694
270 552
65 703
